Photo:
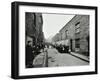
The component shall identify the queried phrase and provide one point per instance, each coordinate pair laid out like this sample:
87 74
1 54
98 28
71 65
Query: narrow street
70 37
63 59
52 58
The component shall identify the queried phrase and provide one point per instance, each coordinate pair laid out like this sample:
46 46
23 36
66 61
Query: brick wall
77 32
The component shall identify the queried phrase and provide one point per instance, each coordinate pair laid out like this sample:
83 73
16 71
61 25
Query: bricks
77 32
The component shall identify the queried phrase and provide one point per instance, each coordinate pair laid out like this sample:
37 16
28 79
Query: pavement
52 58
80 56
63 59
39 60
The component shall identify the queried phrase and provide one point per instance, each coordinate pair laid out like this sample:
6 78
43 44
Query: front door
71 44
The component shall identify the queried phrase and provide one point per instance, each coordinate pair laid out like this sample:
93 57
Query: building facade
33 25
76 31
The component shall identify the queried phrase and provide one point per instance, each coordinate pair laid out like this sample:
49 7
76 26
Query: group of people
31 52
62 48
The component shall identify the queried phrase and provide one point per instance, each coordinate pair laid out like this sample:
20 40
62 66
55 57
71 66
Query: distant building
56 38
77 32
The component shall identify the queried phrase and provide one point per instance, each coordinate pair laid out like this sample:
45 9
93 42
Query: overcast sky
52 23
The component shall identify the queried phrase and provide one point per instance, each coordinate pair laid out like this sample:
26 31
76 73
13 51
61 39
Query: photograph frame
15 39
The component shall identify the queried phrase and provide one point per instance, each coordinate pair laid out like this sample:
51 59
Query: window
77 23
77 27
66 32
77 30
77 43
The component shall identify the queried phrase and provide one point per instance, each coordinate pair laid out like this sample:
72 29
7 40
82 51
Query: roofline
67 23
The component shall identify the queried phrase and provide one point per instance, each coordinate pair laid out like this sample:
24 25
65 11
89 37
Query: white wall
5 41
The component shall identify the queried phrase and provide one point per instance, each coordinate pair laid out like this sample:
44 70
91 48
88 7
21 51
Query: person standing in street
29 55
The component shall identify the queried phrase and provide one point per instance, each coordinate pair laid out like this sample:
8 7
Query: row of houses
75 34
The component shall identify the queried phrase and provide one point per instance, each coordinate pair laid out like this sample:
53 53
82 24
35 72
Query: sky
52 23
